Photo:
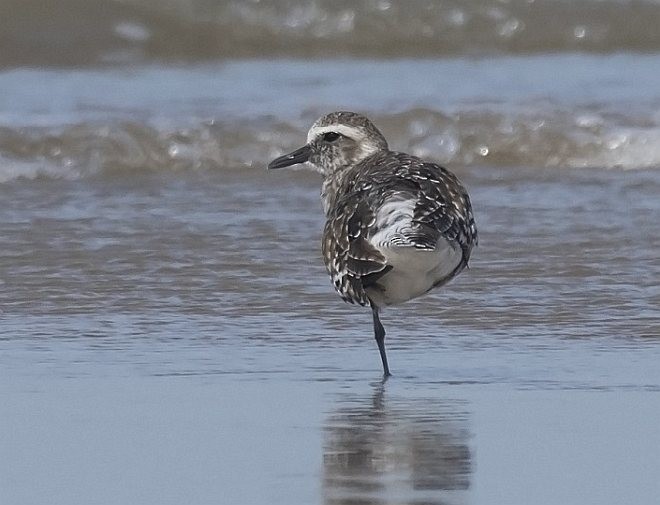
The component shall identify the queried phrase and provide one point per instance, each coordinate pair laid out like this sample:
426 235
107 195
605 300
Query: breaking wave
561 139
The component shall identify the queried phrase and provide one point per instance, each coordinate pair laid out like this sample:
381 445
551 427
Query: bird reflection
381 451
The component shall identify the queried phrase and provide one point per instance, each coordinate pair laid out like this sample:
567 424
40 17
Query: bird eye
331 136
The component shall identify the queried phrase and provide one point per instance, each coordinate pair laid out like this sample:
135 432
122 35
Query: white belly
414 272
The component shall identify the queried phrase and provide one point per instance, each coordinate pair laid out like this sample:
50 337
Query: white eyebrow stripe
346 131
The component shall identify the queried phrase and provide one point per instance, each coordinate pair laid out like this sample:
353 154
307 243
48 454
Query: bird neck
339 182
331 188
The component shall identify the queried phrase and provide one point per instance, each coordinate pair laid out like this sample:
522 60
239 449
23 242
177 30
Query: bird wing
352 262
423 203
443 210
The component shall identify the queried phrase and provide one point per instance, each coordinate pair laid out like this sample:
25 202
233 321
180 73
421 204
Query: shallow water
168 333
166 340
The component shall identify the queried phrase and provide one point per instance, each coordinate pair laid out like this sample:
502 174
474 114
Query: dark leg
379 332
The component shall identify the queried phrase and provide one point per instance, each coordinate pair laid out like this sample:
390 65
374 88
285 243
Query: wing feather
352 262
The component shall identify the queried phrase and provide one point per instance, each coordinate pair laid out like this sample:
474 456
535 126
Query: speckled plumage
442 209
396 227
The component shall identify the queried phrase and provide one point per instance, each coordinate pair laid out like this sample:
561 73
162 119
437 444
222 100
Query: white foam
13 169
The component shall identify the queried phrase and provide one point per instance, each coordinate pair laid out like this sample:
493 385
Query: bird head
334 142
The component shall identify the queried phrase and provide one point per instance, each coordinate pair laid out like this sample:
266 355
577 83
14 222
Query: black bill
298 156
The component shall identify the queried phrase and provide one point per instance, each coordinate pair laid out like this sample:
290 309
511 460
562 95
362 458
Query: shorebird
397 226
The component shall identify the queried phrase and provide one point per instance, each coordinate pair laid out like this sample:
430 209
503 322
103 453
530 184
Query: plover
397 226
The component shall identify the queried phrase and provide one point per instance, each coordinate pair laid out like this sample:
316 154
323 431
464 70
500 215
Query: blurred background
91 86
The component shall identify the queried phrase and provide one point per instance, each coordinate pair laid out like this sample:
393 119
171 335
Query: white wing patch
392 219
415 271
